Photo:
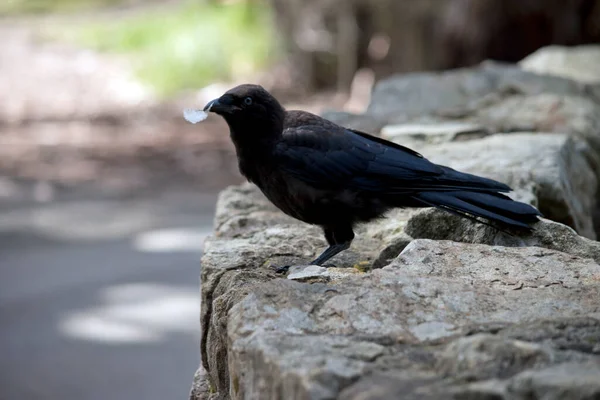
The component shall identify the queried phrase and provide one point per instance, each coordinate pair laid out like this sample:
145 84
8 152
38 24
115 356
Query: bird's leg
339 239
329 252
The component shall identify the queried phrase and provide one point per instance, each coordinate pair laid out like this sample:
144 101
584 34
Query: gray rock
391 247
549 170
361 122
477 357
283 339
432 133
458 93
579 63
251 234
389 232
243 210
440 225
236 265
544 112
568 381
512 268
389 386
308 273
201 389
565 382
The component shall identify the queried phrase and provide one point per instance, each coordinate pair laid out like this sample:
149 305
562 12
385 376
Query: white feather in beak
194 116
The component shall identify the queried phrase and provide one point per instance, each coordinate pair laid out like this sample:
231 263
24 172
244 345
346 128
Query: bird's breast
285 192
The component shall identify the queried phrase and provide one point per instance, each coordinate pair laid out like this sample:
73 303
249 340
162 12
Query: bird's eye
248 101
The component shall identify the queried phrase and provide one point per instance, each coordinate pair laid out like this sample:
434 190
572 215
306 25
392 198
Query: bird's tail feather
492 206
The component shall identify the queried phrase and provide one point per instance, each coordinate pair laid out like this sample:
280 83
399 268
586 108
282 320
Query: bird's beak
222 105
212 105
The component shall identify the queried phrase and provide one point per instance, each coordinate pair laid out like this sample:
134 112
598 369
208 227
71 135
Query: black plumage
334 177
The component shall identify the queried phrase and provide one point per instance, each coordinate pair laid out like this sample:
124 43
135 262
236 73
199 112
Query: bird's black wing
329 156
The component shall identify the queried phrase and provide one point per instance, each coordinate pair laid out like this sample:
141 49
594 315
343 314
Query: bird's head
248 107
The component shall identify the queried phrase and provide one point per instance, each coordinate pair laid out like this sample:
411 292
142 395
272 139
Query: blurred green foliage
19 7
185 46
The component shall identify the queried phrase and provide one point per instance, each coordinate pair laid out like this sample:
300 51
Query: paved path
100 300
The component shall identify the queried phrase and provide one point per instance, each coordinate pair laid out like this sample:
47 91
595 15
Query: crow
324 174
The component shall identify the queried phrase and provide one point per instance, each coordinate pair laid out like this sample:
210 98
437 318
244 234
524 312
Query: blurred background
106 193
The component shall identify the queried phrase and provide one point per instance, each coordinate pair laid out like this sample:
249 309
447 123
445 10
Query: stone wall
425 305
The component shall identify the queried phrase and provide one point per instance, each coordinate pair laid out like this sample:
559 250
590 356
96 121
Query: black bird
334 177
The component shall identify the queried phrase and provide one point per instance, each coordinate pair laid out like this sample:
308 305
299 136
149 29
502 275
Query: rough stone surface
200 386
361 122
267 335
458 93
551 171
545 112
308 273
297 340
418 134
579 63
425 305
514 268
501 98
439 225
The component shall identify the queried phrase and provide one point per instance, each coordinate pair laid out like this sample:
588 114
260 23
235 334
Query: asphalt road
100 299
